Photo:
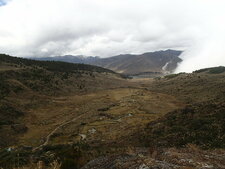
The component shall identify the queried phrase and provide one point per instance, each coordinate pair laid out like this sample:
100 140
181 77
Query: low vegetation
82 112
46 77
201 124
214 70
50 65
69 156
170 76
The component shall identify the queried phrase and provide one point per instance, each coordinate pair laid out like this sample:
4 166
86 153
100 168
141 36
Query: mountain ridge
160 61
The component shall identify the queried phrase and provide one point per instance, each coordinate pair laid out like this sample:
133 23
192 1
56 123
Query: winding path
54 131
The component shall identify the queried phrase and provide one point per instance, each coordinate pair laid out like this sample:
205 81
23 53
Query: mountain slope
201 122
160 61
27 84
180 138
69 58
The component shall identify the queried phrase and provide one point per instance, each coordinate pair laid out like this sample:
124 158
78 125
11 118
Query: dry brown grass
127 110
40 165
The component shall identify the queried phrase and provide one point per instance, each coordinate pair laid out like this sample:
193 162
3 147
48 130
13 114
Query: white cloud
111 27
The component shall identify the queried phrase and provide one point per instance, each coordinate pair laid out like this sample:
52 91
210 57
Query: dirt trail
55 130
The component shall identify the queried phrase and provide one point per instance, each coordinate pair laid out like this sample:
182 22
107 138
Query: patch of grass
8 114
70 155
171 76
201 124
4 90
217 70
213 70
13 159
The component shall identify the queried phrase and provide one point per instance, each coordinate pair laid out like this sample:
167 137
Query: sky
36 28
2 2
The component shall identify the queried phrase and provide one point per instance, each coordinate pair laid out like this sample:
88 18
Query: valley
102 118
83 116
112 84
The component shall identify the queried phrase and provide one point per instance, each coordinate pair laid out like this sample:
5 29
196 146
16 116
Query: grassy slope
202 121
27 84
201 124
195 87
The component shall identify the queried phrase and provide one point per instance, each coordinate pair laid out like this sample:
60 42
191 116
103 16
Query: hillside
160 62
202 121
27 84
199 124
76 115
190 137
200 86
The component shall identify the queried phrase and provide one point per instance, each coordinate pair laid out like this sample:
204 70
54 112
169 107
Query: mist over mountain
159 61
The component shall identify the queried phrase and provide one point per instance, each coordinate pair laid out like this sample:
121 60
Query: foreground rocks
187 158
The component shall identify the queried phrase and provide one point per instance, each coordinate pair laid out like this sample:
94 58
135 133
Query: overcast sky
111 27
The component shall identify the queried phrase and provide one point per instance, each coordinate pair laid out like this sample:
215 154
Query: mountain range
160 61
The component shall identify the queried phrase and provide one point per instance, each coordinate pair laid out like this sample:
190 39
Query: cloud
106 28
207 51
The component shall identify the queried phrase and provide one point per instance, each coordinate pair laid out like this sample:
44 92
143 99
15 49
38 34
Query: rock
83 136
129 115
143 166
92 131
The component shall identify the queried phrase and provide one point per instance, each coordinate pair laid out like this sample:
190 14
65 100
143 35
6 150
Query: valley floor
108 122
103 117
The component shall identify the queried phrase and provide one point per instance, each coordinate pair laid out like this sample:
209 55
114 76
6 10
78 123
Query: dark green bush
69 164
